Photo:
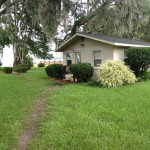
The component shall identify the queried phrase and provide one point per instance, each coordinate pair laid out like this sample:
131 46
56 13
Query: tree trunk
15 49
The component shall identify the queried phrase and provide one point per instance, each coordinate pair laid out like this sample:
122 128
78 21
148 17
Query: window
97 58
78 57
69 58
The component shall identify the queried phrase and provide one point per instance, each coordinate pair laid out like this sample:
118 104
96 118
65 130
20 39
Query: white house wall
119 53
107 51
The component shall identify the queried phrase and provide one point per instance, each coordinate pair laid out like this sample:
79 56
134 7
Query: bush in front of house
54 70
145 76
21 69
8 70
41 65
82 71
114 73
138 59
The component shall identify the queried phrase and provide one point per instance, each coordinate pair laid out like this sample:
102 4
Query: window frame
68 59
100 58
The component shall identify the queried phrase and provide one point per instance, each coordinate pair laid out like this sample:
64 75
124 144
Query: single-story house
95 49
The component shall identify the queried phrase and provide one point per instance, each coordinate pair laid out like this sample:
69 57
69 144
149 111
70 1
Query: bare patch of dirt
33 119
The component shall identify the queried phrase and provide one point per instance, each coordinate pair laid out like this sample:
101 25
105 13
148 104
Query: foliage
8 70
21 69
29 61
0 63
145 76
82 71
23 65
1 68
41 65
24 36
114 73
54 70
138 59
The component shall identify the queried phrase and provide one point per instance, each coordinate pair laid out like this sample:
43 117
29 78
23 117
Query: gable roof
116 41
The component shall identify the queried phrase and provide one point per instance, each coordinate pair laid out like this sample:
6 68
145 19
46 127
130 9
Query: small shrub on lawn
138 59
82 71
21 69
1 68
41 65
0 63
8 70
23 65
54 70
115 73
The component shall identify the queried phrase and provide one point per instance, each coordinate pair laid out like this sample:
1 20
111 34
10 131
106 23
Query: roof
116 41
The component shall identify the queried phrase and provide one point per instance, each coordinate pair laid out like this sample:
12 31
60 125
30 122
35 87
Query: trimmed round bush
54 70
8 70
82 71
21 69
41 65
114 73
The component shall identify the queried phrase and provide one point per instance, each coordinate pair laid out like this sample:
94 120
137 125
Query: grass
78 116
84 117
17 94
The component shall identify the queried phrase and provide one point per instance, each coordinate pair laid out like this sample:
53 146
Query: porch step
69 77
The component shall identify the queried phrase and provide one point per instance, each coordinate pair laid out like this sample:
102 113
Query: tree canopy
33 22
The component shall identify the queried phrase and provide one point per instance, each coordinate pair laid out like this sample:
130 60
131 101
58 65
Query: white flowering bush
115 73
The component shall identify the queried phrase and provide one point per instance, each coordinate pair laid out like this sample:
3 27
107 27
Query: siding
107 51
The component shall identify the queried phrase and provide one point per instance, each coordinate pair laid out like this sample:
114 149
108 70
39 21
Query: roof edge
96 39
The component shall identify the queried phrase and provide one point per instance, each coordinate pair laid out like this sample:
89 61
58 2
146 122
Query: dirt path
33 120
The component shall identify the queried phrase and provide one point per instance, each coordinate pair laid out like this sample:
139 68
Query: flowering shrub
115 73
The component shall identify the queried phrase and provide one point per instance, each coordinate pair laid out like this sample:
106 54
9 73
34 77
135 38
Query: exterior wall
87 51
107 52
119 53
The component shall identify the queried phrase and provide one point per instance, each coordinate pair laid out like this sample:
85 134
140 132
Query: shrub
29 61
23 65
145 76
115 73
138 59
41 65
0 63
1 68
21 69
82 71
8 69
54 70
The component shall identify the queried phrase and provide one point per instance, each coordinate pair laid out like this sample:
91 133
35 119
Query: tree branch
2 2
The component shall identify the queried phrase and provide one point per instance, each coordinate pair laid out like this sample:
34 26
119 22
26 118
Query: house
95 49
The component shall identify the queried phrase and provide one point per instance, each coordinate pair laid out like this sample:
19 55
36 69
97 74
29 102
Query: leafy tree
23 35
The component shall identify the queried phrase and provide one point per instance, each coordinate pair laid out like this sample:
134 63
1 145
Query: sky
7 58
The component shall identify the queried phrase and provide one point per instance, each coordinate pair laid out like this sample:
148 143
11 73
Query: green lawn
84 117
17 94
78 116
